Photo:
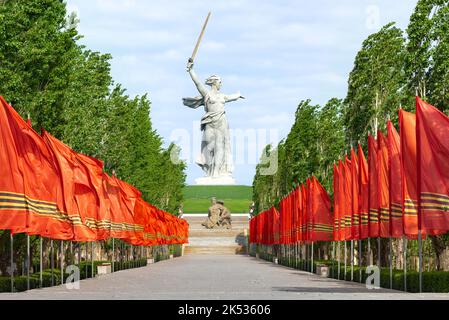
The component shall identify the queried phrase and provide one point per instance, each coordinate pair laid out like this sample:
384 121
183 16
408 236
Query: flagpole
368 260
352 260
346 254
360 260
404 239
11 237
420 259
113 253
61 260
391 263
72 256
378 252
40 262
28 262
296 255
92 258
87 260
339 256
52 264
333 257
311 264
79 255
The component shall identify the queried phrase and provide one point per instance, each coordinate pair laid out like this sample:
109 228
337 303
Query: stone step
218 236
215 250
216 241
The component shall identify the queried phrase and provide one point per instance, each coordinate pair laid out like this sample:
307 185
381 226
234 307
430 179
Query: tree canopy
67 89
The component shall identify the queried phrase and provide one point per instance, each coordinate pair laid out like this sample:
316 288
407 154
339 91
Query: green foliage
20 282
220 192
427 60
375 84
68 90
389 70
434 281
198 198
315 141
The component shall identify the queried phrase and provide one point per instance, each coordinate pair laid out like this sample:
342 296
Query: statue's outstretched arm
202 90
233 97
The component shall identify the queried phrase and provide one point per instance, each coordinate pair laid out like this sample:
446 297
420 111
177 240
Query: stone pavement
204 277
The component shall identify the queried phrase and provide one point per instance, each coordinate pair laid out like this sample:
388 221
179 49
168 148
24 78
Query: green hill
236 198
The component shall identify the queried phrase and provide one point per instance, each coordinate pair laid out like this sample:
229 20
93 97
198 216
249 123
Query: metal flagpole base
405 263
420 259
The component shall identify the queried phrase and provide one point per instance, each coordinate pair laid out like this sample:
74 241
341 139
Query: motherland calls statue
215 158
219 216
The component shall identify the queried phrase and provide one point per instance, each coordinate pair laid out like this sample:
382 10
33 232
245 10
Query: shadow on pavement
328 290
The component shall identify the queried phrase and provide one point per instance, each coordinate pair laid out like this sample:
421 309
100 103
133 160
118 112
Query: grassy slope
197 198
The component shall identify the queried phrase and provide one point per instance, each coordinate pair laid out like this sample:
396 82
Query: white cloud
275 53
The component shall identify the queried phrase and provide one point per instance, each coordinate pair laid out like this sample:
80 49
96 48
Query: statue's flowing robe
218 122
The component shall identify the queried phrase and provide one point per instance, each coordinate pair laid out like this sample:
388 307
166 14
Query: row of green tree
47 75
390 69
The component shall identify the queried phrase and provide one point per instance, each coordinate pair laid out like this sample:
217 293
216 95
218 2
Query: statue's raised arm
201 89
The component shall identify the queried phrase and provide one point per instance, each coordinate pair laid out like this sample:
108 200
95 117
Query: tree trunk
438 246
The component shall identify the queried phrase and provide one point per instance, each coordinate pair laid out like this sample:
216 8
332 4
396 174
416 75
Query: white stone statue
215 158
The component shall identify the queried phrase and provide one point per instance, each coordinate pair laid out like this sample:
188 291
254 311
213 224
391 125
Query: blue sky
276 53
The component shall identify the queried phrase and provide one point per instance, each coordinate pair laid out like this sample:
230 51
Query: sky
276 53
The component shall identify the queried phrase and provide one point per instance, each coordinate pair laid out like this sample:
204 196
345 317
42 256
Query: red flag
407 123
129 196
296 200
347 196
118 212
299 213
30 189
80 198
102 221
275 225
432 131
322 219
383 185
309 218
373 188
363 195
336 203
283 222
355 179
150 230
394 149
342 201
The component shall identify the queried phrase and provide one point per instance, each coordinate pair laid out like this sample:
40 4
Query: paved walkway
198 277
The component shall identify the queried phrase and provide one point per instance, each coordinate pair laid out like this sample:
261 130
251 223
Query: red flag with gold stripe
383 185
321 213
30 188
355 179
394 149
336 186
363 194
347 198
80 198
432 132
409 197
373 188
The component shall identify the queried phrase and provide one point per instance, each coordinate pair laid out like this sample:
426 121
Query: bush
20 282
434 281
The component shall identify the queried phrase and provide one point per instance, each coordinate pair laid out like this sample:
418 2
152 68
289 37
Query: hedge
433 281
20 282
